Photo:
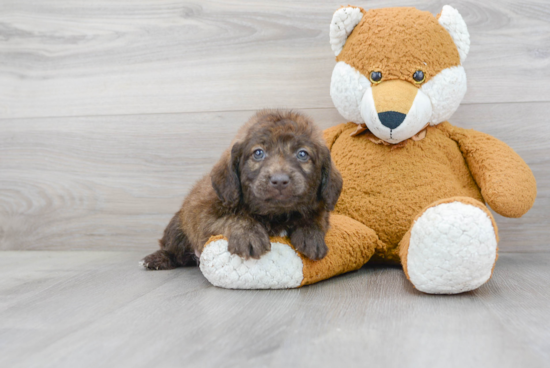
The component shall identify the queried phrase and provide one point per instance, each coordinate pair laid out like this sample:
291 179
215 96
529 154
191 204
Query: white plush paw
452 249
280 268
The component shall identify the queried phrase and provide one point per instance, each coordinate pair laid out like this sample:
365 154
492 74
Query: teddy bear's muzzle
395 110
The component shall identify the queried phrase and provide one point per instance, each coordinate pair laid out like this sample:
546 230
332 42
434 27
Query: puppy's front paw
309 242
249 242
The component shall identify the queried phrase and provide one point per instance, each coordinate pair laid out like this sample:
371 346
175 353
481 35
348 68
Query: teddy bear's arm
331 134
505 180
351 244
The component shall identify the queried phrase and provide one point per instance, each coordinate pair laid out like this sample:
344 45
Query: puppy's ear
331 181
225 177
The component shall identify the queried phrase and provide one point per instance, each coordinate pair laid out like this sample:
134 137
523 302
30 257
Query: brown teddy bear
415 186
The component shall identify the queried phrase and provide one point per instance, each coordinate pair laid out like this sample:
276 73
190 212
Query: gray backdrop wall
109 111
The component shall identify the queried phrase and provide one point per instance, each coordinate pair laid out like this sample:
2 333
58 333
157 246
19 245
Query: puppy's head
279 163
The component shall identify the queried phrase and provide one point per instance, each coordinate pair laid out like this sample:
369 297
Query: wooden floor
98 309
111 109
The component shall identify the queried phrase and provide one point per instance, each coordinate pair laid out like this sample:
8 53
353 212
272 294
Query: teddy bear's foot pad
452 249
280 268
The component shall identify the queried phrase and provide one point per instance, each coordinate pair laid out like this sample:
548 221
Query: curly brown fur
262 186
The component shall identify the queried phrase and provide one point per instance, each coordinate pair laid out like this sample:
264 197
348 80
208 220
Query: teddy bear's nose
391 119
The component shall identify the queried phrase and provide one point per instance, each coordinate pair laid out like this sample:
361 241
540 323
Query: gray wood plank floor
98 309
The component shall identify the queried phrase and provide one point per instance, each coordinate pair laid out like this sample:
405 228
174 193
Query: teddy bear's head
398 69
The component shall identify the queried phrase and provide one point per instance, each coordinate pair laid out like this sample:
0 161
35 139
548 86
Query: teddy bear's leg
451 247
350 243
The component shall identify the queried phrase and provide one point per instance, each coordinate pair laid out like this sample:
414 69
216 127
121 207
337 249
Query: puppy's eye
259 154
419 76
375 77
302 155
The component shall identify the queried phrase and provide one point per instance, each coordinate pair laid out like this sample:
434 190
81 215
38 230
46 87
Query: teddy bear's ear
342 24
452 21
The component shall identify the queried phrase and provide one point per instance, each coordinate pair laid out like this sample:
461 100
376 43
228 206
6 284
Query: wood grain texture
81 58
113 183
98 309
111 110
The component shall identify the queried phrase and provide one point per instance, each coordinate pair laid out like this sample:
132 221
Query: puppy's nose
279 181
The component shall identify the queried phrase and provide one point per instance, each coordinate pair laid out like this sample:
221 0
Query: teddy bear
416 188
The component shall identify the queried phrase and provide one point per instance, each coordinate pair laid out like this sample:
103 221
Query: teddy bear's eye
419 76
375 77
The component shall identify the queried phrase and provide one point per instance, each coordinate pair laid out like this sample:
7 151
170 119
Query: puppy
277 177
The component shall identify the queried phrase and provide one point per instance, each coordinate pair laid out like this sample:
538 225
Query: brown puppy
277 177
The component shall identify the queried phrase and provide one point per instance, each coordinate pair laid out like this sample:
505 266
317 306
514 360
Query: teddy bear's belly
386 188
